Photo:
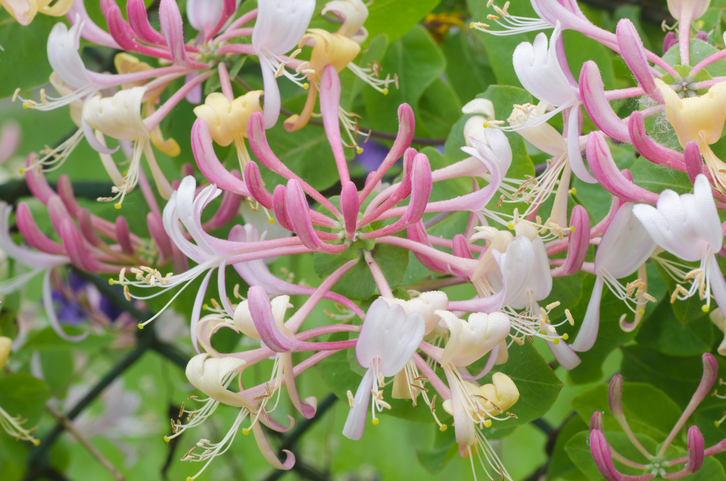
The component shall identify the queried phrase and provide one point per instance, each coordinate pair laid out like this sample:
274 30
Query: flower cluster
435 348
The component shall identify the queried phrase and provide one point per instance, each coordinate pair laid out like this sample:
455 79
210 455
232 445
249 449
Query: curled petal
32 234
356 421
633 52
578 243
350 207
257 188
299 215
607 173
139 21
279 203
172 28
694 163
592 92
208 162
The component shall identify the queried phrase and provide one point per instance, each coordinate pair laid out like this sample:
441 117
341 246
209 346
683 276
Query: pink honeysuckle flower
387 341
577 243
623 249
205 15
609 176
10 135
688 227
280 26
685 12
592 93
634 54
603 454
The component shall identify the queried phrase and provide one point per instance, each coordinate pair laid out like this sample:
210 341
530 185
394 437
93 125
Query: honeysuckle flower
699 119
387 340
227 121
213 376
204 15
685 12
24 11
541 72
120 117
688 227
352 14
624 248
468 342
476 409
12 424
280 26
658 462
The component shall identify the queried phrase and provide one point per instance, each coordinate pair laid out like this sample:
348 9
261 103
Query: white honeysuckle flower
425 304
387 341
472 339
280 26
624 248
353 14
688 226
538 68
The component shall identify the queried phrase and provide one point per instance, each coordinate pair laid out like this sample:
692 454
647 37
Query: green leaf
665 333
358 283
396 17
336 371
699 50
560 466
57 367
24 395
439 109
580 49
657 178
648 410
434 460
306 152
463 54
418 62
23 59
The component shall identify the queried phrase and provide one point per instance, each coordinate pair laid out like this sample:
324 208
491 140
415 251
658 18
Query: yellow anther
110 282
705 308
375 422
573 191
385 91
641 312
306 86
36 442
565 336
358 150
471 25
25 106
166 438
488 423
572 228
246 431
22 171
555 341
140 325
117 206
510 226
271 221
443 428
